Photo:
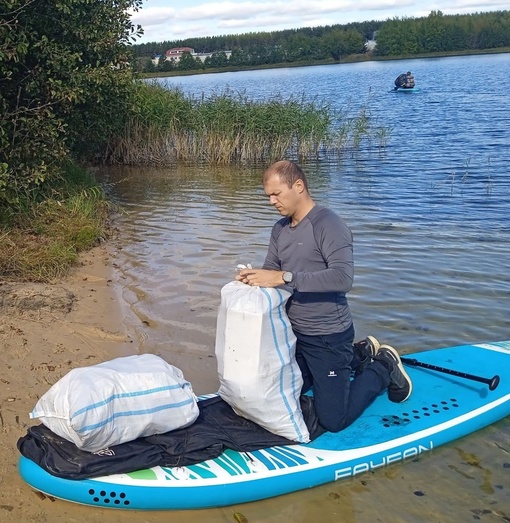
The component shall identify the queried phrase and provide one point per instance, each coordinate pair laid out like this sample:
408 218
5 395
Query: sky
168 20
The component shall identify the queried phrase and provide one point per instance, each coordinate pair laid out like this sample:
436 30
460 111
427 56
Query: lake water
431 220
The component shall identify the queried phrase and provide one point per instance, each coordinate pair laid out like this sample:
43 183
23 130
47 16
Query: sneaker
400 386
366 351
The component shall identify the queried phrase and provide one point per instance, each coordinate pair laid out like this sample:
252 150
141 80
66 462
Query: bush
63 77
40 239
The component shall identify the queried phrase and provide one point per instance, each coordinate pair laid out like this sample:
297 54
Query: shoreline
46 330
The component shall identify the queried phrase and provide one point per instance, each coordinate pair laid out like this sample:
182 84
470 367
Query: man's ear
299 185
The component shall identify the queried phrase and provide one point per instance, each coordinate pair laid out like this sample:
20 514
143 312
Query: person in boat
311 251
404 81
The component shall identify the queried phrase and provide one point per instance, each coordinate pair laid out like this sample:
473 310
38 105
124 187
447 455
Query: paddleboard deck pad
441 408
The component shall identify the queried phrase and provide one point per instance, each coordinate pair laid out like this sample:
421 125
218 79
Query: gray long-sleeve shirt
319 253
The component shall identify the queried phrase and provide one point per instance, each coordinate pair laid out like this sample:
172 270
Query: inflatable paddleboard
405 90
442 408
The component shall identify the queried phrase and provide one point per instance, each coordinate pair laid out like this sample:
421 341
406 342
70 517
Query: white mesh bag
117 401
255 348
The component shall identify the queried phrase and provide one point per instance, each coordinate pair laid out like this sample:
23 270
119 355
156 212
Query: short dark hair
288 172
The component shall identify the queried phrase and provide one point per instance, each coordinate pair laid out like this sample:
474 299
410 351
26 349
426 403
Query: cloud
237 11
202 18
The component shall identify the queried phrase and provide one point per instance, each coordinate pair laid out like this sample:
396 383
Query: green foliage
260 43
237 57
219 59
159 109
255 49
42 236
339 43
397 37
64 79
166 65
187 62
444 33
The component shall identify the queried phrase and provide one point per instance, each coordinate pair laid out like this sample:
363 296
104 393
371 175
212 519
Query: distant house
371 43
176 52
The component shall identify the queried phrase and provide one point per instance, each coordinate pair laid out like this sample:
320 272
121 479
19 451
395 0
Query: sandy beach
45 331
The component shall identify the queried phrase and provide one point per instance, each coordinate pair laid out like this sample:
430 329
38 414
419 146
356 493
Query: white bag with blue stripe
117 401
255 349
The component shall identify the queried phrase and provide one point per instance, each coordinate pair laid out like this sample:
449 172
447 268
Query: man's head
286 185
288 172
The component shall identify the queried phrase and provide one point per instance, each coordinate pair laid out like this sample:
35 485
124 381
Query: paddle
491 382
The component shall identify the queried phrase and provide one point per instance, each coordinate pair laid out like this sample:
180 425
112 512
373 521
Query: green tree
338 43
433 32
166 65
237 58
150 67
65 78
186 62
199 63
219 59
397 37
299 46
457 36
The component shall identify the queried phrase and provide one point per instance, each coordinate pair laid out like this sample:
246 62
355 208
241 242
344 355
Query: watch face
287 277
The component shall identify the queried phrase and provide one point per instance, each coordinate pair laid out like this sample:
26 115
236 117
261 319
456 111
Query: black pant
326 363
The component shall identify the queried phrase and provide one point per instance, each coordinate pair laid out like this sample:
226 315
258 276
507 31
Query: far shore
368 57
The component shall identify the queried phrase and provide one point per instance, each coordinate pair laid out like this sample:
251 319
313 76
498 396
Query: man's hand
260 277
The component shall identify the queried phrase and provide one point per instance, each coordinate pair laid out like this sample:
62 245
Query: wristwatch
287 277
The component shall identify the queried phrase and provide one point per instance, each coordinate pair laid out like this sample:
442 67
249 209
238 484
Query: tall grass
225 128
41 236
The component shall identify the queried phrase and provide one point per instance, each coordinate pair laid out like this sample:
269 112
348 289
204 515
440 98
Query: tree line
395 37
444 33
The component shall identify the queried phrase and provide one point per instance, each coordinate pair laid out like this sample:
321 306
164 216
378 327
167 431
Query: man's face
283 197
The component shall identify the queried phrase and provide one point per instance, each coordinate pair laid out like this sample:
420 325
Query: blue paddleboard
404 90
442 408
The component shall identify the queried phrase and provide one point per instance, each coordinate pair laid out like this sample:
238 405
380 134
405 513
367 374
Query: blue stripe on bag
287 342
275 340
124 395
134 413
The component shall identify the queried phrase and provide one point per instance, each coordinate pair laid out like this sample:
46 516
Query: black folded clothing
216 429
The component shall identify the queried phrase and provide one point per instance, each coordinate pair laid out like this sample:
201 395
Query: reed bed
228 128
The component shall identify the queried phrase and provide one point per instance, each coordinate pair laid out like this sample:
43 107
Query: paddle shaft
491 382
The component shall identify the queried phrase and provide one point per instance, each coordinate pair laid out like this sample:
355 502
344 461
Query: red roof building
176 52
